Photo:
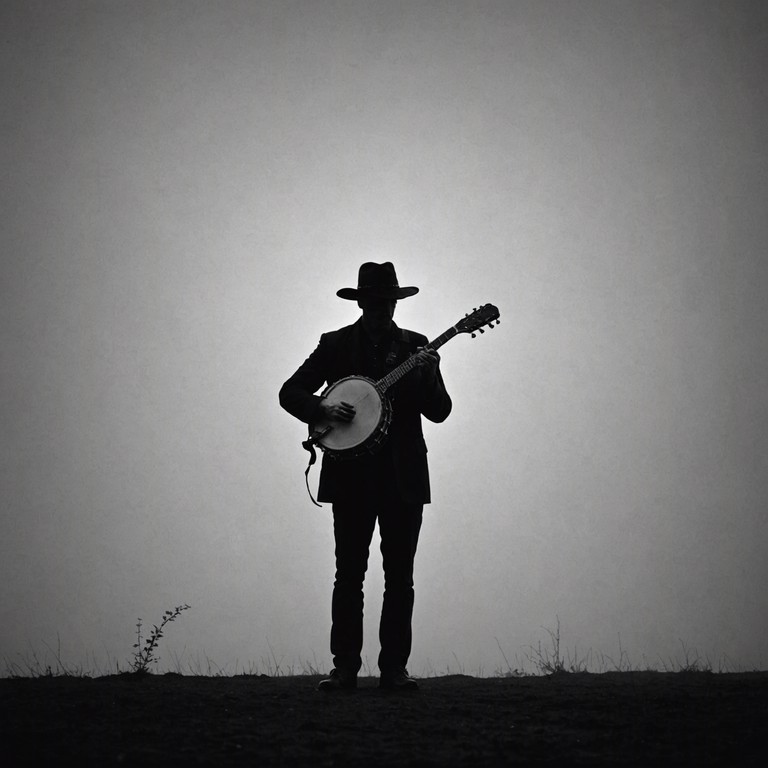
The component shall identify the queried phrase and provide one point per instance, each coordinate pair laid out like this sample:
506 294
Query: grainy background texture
184 187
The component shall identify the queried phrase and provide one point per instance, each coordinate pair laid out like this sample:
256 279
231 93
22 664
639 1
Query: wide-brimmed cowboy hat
377 281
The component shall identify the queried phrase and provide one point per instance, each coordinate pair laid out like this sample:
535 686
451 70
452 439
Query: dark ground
622 718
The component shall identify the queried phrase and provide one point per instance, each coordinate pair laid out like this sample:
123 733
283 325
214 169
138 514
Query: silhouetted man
391 484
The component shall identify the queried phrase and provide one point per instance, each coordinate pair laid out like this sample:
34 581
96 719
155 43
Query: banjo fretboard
408 365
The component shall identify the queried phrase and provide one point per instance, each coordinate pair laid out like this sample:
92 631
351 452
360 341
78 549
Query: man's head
377 314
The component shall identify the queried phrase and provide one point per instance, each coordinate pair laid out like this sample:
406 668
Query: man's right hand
341 411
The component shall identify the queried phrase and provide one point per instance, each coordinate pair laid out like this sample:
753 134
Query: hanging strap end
309 445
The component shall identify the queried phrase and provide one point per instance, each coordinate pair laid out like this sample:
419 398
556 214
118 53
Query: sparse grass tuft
550 661
509 671
31 665
692 662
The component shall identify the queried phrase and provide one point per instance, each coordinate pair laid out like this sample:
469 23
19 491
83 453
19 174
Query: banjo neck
485 315
408 365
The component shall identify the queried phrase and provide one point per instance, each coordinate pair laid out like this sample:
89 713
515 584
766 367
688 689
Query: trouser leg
399 526
353 526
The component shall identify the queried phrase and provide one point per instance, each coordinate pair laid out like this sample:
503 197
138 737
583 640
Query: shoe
338 681
398 681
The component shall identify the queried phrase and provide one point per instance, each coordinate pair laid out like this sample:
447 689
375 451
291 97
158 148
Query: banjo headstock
475 321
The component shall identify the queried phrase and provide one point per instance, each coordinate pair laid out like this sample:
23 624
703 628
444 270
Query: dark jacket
402 462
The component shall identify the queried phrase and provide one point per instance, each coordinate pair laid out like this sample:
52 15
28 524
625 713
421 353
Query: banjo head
369 414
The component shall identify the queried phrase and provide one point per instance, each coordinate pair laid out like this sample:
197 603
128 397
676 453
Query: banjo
367 431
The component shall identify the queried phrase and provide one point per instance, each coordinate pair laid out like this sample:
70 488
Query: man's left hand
427 361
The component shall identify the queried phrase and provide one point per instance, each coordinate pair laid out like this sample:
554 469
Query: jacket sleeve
297 394
436 403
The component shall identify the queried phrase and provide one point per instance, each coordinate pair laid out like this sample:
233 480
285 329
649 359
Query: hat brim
377 293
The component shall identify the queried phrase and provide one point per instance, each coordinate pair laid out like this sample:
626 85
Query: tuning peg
474 335
490 325
481 330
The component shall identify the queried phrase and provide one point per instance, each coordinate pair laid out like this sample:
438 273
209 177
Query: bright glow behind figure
185 186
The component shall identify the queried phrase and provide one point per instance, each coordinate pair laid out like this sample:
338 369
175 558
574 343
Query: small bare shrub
551 661
144 655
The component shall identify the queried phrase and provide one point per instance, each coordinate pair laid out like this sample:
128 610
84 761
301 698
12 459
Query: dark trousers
399 526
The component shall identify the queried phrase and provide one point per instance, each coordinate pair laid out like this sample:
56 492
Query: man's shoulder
331 337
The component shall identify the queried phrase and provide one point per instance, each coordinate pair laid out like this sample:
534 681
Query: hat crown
372 275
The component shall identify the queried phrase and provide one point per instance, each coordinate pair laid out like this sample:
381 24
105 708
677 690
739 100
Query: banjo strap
309 445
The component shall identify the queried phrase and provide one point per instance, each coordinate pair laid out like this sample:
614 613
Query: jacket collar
393 334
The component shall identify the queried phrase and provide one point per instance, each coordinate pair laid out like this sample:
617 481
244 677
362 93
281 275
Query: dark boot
338 681
397 680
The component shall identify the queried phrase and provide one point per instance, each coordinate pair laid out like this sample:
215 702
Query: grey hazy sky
185 186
